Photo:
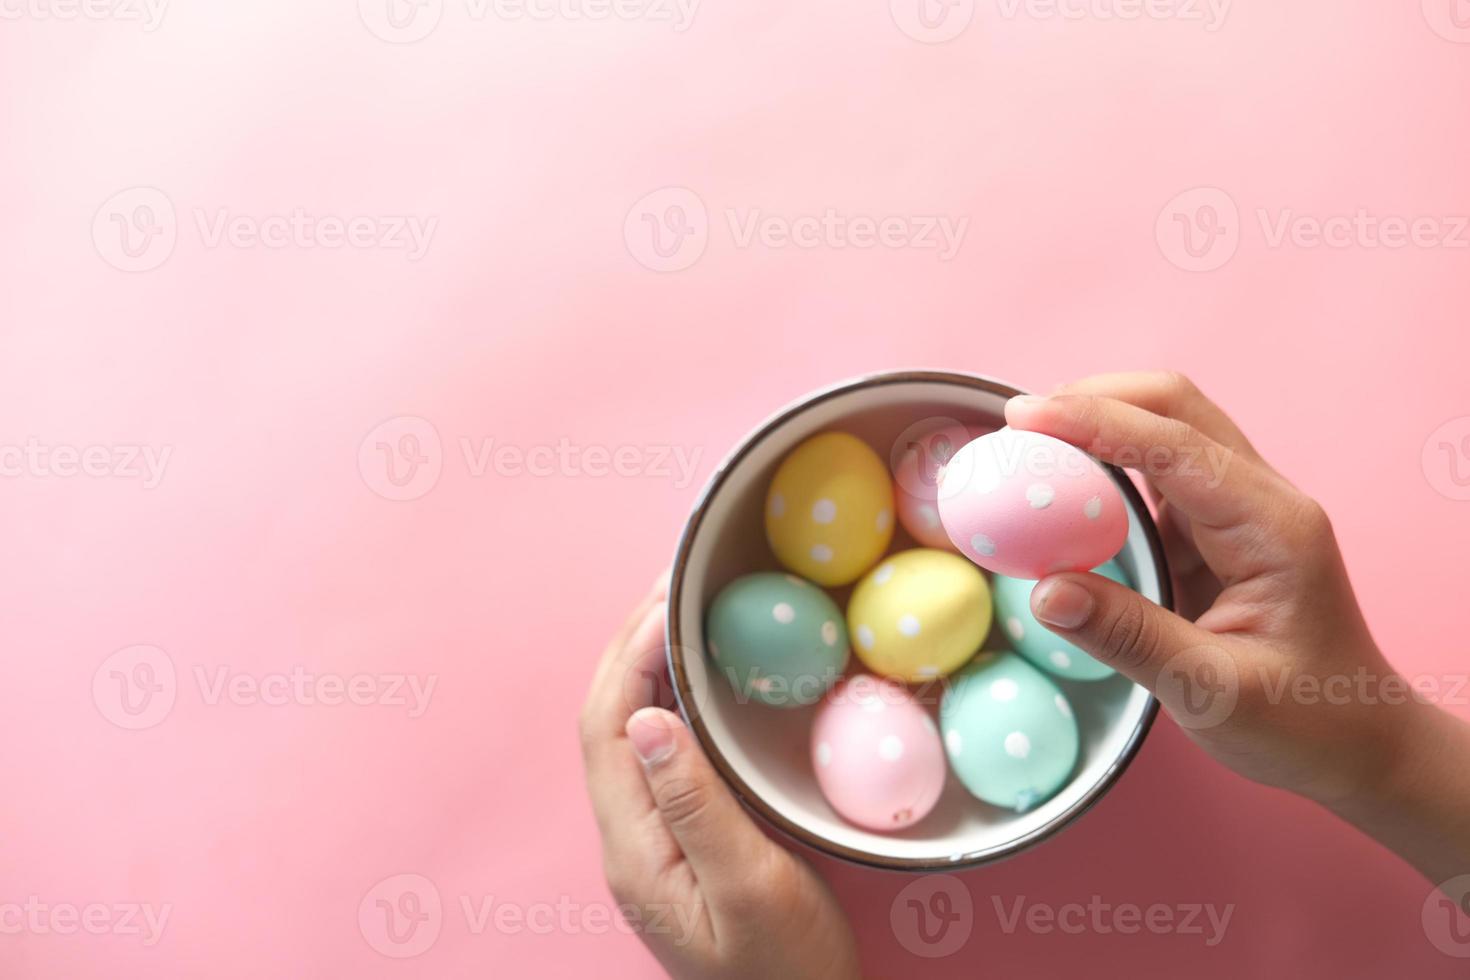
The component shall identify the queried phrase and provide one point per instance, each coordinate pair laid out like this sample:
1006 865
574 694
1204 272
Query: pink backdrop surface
203 559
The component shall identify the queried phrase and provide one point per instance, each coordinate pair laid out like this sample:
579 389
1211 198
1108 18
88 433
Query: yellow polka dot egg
829 510
919 615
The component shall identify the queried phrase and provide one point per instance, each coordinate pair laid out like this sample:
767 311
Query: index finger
1169 394
1234 502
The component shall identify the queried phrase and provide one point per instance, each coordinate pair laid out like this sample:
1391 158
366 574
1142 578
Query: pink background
531 320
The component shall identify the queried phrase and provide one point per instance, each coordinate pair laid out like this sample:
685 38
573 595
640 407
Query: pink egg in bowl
917 460
877 754
1026 505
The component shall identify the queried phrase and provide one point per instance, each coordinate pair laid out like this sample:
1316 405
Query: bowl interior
764 752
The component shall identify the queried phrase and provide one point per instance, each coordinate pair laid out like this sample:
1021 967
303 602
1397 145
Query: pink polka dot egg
1026 505
877 754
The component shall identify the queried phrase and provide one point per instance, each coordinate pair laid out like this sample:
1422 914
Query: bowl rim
683 692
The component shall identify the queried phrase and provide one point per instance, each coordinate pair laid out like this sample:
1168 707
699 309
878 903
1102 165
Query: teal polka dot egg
1038 644
779 639
1009 732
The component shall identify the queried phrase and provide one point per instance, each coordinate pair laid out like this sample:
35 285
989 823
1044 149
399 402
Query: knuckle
1131 636
1178 386
682 800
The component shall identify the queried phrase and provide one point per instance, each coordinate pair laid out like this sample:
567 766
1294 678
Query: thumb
1170 656
718 838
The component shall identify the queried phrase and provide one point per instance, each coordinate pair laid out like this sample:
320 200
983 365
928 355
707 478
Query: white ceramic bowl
764 752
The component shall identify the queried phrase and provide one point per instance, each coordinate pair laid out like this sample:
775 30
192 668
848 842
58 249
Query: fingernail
1026 401
1062 603
652 734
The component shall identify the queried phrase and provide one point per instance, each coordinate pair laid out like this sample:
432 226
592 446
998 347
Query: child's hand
1277 677
717 899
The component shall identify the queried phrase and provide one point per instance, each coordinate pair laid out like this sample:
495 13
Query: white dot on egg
778 505
1004 689
824 511
927 670
885 519
908 624
929 516
890 748
1014 627
829 633
782 612
953 741
883 574
1093 508
865 637
1060 660
821 553
1040 495
1063 706
982 544
1018 746
824 754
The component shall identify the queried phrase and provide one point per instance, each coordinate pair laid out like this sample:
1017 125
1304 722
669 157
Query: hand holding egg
1026 505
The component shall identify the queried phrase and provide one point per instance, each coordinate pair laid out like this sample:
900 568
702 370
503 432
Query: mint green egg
1045 649
1009 732
779 639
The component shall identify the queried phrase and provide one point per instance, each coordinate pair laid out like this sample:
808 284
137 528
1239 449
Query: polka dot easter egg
779 639
1034 641
1026 505
877 754
829 511
919 615
1009 732
919 456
